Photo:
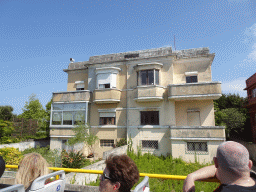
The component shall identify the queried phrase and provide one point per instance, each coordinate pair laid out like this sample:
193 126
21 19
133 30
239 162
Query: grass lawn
148 163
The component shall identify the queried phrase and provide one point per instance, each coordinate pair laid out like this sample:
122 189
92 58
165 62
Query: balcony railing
106 96
70 96
194 91
149 93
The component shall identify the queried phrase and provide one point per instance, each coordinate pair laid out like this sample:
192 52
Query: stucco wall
78 75
205 107
202 65
179 150
162 135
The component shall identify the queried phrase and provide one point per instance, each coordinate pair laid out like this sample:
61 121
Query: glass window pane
80 106
56 118
143 77
79 116
188 79
56 106
157 77
67 118
150 77
69 107
194 79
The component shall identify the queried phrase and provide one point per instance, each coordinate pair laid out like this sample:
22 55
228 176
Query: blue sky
37 38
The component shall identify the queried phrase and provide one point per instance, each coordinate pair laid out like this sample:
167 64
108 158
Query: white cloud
250 39
235 86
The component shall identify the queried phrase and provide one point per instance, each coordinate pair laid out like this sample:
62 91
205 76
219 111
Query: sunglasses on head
104 176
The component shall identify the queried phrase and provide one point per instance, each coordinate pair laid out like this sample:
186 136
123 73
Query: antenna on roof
174 43
72 60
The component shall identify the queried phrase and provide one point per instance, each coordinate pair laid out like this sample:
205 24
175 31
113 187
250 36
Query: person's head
232 158
32 166
120 174
2 166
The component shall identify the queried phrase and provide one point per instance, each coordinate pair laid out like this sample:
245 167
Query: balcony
149 93
104 96
194 91
197 133
70 96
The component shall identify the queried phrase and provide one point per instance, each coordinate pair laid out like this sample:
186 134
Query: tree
33 109
6 112
231 113
83 134
46 119
6 129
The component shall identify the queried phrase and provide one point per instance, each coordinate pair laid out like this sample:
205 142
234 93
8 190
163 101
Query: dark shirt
231 188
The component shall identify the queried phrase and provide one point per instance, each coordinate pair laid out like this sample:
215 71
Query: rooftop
141 54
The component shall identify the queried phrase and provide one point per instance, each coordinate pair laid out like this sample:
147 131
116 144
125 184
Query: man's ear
215 162
250 164
117 186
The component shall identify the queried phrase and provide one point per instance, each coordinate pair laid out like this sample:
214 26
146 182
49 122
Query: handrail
150 175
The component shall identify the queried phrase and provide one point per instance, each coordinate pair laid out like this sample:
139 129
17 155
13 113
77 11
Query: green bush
11 155
121 142
48 154
73 159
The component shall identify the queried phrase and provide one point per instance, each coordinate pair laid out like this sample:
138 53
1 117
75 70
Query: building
161 99
251 94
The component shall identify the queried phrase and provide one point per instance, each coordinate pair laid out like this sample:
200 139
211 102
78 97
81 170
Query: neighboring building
162 99
251 94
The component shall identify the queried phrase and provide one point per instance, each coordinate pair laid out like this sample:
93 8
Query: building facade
251 94
161 99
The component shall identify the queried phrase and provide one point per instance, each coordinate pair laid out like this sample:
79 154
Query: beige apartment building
160 98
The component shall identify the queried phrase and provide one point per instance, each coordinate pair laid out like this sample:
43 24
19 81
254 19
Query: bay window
148 77
68 113
106 77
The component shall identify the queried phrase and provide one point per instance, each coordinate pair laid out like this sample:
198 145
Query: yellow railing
159 176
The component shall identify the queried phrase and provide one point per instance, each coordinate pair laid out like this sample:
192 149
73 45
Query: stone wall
116 151
25 145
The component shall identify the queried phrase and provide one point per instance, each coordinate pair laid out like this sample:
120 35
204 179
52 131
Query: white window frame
68 110
110 73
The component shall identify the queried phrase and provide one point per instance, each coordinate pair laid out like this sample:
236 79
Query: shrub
121 142
73 159
49 155
11 155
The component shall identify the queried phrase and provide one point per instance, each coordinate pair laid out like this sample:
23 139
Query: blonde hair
32 166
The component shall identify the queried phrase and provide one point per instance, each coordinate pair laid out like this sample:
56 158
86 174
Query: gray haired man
232 169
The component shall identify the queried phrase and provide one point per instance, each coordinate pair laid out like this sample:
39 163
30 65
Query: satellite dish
72 60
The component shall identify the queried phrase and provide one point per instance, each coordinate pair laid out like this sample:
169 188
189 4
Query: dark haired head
122 169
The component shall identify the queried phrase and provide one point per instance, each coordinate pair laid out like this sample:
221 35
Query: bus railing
150 175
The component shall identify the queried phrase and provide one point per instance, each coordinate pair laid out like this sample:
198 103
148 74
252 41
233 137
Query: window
149 117
197 146
150 144
56 118
106 143
148 77
107 118
79 85
254 93
68 113
104 86
106 77
107 121
191 79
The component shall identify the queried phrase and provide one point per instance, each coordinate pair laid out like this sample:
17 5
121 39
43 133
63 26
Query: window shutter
104 78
